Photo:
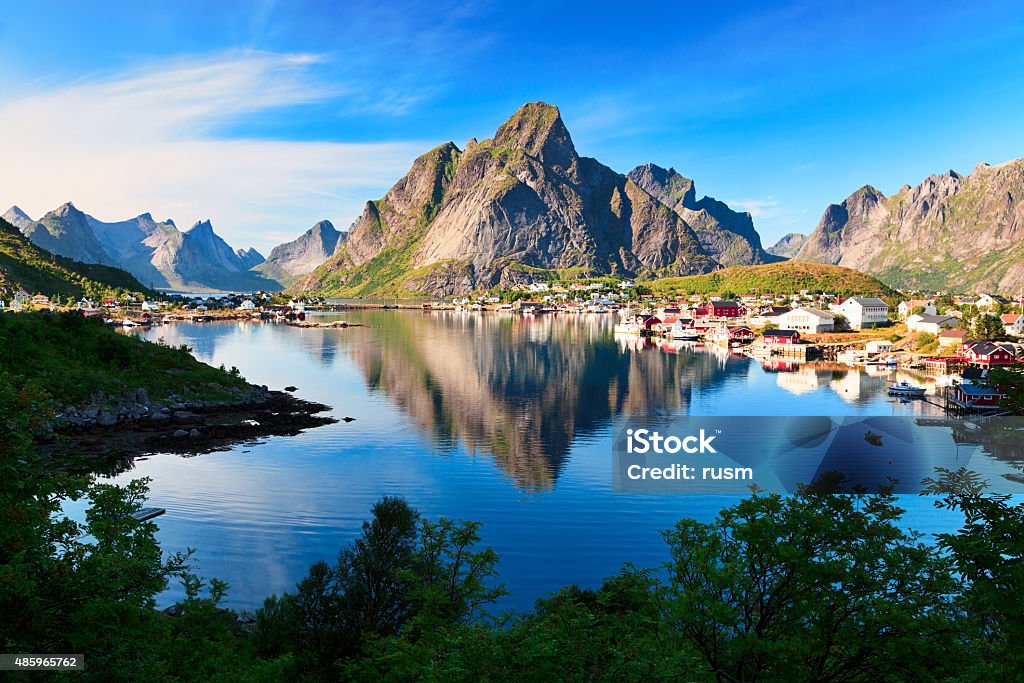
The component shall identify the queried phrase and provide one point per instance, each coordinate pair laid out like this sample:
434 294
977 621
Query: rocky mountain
66 231
517 207
18 218
788 246
249 258
24 266
727 236
157 253
304 254
948 232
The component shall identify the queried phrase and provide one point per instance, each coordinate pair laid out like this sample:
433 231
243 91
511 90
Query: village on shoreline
953 338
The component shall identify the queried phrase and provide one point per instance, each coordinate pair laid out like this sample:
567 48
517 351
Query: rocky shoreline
132 426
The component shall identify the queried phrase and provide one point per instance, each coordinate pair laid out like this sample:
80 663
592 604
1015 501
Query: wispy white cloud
764 209
145 140
772 218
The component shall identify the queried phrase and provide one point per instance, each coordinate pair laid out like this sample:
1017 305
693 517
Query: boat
873 439
684 333
905 389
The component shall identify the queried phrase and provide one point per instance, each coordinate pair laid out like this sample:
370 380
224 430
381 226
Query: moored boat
905 389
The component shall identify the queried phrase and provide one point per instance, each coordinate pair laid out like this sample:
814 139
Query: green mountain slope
24 265
777 278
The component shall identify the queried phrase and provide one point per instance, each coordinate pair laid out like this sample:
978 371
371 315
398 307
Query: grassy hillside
777 278
37 271
71 357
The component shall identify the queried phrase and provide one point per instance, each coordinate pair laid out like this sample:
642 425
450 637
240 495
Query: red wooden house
976 396
987 354
648 322
782 337
741 333
720 309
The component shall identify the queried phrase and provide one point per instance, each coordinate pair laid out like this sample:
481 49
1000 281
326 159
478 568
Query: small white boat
685 334
905 389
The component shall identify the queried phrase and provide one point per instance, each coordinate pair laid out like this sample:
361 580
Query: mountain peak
65 209
199 227
321 227
18 218
249 257
667 185
537 129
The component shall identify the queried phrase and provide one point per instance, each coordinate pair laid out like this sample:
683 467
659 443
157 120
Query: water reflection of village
524 389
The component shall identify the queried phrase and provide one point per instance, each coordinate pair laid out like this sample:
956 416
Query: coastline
186 427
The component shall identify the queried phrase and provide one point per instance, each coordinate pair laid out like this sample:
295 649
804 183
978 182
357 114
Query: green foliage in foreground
37 271
810 587
71 357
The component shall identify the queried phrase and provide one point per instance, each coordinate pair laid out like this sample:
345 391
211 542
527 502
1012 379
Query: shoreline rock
187 427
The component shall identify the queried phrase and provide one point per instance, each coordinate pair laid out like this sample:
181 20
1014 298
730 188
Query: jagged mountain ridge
520 206
788 245
727 236
157 253
948 232
23 265
304 254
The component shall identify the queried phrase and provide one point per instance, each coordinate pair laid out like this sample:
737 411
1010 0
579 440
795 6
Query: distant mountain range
948 232
523 206
788 245
163 257
291 260
24 266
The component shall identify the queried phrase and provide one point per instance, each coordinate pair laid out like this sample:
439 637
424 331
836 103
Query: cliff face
520 204
727 236
948 232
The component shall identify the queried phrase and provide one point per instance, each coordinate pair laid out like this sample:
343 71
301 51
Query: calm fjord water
488 417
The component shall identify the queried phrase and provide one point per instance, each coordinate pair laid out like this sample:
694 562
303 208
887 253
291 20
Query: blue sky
267 116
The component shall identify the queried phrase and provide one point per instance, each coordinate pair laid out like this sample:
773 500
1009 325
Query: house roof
814 312
1010 318
954 334
933 318
975 390
782 333
868 301
986 348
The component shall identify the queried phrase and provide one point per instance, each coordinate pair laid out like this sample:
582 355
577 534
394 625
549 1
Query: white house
807 320
861 312
906 307
931 323
150 306
1014 323
247 305
990 301
878 346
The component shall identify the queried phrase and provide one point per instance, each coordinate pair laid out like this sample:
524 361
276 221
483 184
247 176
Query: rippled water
495 418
